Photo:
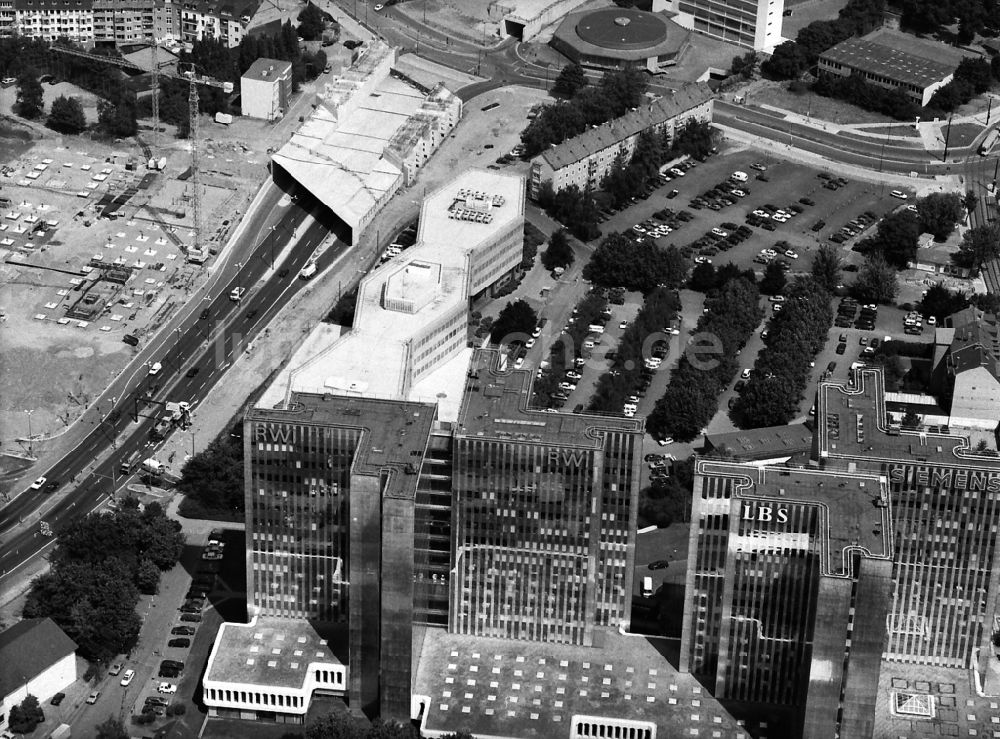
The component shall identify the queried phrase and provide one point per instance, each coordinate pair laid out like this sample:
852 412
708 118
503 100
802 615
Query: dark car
740 384
807 201
831 367
192 372
130 340
191 608
57 699
169 672
182 643
192 618
204 314
52 485
660 564
283 273
182 631
818 226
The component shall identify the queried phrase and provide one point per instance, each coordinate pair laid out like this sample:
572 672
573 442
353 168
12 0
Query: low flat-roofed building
273 665
585 159
412 312
894 60
525 19
530 690
266 89
36 658
369 133
764 445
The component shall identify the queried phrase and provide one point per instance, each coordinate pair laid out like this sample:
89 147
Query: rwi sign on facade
764 513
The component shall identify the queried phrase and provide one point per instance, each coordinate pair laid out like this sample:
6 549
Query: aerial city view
499 369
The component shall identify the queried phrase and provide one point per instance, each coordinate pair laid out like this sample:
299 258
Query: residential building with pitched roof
36 657
585 159
967 369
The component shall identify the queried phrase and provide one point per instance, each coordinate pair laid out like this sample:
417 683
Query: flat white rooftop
425 285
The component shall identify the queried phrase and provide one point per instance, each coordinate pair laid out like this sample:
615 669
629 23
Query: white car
665 440
529 343
779 218
702 260
791 254
631 407
777 298
567 386
761 213
739 193
573 375
673 331
677 171
623 325
37 484
769 253
518 363
166 688
92 698
745 374
127 678
899 194
155 368
777 307
931 321
653 362
720 233
115 669
379 7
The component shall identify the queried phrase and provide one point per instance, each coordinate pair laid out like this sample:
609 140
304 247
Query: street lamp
30 446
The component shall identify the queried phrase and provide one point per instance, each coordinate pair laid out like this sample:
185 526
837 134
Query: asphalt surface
210 345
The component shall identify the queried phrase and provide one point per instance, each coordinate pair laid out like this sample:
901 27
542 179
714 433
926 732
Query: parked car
166 688
183 631
191 617
92 698
180 643
115 669
57 699
660 564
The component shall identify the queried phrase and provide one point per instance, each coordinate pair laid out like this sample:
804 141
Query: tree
30 96
516 318
975 71
26 716
876 281
703 278
773 281
979 245
212 480
570 81
910 420
147 577
939 212
941 302
970 201
743 65
66 116
826 267
311 23
787 62
895 240
118 120
621 262
559 252
695 138
112 728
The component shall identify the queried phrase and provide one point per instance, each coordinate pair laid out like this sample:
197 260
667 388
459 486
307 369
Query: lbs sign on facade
764 513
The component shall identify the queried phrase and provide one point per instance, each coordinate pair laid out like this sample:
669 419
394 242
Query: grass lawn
896 129
963 134
815 106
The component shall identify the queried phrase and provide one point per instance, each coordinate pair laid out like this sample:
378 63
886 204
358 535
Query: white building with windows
752 24
266 89
37 658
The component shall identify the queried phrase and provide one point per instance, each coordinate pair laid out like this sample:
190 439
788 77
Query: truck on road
989 142
130 463
153 466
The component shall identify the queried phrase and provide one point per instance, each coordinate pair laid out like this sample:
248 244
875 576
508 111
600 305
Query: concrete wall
533 23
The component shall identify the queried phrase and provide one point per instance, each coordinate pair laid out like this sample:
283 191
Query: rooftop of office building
496 406
852 428
897 56
396 432
273 652
267 70
851 504
773 442
919 701
499 687
426 284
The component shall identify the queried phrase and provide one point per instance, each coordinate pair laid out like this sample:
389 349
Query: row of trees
99 566
343 726
972 77
621 262
666 501
588 310
979 245
781 372
706 278
590 105
709 363
658 310
573 207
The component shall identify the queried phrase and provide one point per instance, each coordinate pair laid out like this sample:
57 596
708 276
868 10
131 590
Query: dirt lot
62 325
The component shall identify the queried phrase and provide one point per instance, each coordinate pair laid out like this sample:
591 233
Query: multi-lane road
194 355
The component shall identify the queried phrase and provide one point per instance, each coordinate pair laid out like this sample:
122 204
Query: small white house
36 657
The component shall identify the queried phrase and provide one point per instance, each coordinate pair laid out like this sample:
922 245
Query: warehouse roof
897 56
763 443
614 131
28 648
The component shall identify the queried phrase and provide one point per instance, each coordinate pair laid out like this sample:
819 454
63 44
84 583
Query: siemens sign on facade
946 477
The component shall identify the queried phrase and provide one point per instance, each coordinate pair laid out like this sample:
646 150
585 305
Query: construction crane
193 79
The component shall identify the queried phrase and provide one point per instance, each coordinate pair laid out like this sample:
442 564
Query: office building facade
752 24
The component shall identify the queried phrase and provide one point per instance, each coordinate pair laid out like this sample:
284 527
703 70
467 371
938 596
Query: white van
308 271
740 176
237 294
596 328
647 587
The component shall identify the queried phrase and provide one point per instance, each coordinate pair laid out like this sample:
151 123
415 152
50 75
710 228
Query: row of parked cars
661 180
847 313
854 227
